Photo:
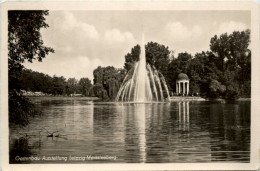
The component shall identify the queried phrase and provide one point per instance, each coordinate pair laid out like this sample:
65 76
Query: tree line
107 81
40 82
222 72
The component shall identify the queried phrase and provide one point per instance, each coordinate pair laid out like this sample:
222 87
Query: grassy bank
62 98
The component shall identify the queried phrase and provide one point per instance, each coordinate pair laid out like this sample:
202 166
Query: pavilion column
184 89
184 111
179 87
182 86
187 88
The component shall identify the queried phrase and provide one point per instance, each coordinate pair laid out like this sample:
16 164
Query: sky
84 40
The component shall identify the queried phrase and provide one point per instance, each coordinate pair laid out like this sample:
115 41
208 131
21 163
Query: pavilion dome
183 76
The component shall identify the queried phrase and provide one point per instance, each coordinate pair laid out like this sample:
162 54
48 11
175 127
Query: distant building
182 84
31 93
38 94
76 95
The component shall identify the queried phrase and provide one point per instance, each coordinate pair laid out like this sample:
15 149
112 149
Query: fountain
143 83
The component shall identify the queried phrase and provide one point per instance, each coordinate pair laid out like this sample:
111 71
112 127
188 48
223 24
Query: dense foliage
39 82
222 72
24 41
107 81
156 55
24 44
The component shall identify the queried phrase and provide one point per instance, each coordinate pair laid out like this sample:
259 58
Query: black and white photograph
129 86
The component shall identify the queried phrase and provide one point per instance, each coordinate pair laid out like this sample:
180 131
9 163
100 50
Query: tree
132 57
98 75
195 71
184 60
84 86
35 81
202 71
72 84
107 79
58 85
230 49
99 91
24 41
24 44
172 74
157 55
233 58
216 89
175 67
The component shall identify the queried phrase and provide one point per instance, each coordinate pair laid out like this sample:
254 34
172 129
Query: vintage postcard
130 85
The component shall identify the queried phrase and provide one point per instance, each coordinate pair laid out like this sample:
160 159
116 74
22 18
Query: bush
20 108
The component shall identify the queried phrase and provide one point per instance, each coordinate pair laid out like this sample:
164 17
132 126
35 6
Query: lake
96 132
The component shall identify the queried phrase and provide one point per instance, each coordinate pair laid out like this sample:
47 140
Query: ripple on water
152 133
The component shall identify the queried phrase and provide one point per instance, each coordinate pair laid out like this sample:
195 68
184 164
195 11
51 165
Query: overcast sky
83 40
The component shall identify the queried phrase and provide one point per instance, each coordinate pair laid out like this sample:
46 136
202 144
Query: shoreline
185 98
62 98
171 99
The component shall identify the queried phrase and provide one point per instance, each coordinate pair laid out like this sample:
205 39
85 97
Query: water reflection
140 113
229 127
108 131
135 132
184 116
138 133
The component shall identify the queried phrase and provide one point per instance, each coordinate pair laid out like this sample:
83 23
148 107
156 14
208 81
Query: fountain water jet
143 83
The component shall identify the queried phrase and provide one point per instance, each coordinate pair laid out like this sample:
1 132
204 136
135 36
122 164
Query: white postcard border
130 5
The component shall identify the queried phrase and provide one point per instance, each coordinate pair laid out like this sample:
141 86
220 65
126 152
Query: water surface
176 132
